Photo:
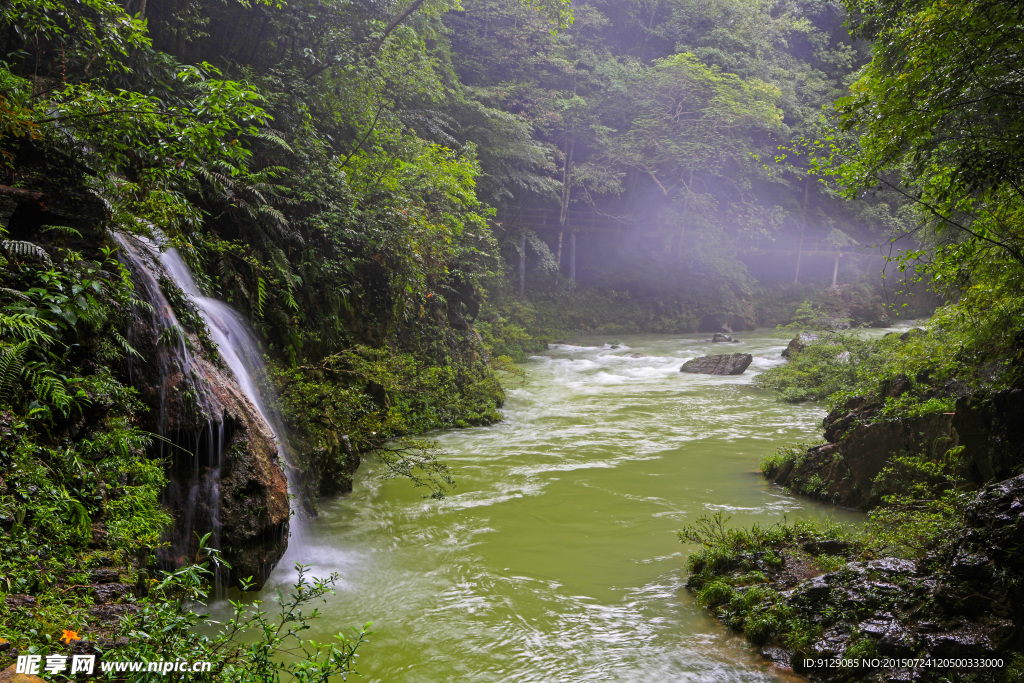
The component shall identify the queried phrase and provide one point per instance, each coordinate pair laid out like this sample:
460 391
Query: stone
720 337
108 615
814 591
963 643
18 600
970 567
892 566
827 547
10 675
778 655
832 643
798 344
108 593
724 364
103 575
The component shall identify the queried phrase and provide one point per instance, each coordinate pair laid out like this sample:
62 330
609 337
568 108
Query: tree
935 116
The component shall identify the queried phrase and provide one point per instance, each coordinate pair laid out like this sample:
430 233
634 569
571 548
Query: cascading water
194 488
216 433
241 351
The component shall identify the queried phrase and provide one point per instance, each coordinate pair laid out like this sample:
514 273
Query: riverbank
516 327
932 451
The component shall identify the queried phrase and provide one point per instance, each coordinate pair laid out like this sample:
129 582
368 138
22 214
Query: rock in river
724 364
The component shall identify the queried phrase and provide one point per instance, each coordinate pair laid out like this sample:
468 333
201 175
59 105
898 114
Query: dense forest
399 201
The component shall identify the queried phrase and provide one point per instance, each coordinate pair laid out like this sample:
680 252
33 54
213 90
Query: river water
556 558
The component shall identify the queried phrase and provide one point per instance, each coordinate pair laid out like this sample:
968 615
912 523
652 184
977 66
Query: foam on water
555 558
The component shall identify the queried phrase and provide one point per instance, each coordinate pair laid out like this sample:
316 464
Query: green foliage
731 574
367 400
835 362
693 117
932 63
252 644
966 346
913 527
788 454
923 502
723 550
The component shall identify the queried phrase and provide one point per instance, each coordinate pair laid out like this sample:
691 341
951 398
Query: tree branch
376 44
1015 253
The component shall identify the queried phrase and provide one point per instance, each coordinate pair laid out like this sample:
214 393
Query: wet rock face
859 449
724 364
991 429
850 466
253 508
966 602
986 565
224 474
890 609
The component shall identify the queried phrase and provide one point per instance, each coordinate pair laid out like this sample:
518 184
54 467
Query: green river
556 558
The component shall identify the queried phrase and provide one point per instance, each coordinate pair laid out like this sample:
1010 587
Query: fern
63 229
77 516
48 387
172 335
26 327
12 363
14 292
24 250
123 343
261 295
274 138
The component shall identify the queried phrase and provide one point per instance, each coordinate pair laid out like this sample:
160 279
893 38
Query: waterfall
241 351
201 415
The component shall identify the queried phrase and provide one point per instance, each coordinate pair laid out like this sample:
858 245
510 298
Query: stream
556 558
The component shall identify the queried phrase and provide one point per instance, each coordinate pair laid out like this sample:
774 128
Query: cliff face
225 476
860 445
991 429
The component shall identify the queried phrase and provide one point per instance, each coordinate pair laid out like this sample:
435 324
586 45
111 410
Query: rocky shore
947 606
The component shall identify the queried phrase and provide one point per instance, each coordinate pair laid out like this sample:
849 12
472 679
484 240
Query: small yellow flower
69 636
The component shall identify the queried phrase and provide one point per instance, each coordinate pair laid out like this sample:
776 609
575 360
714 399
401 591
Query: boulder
11 675
721 337
798 344
991 429
724 364
223 468
859 450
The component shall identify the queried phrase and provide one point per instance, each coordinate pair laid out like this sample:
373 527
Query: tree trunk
522 266
563 216
572 256
799 256
803 229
